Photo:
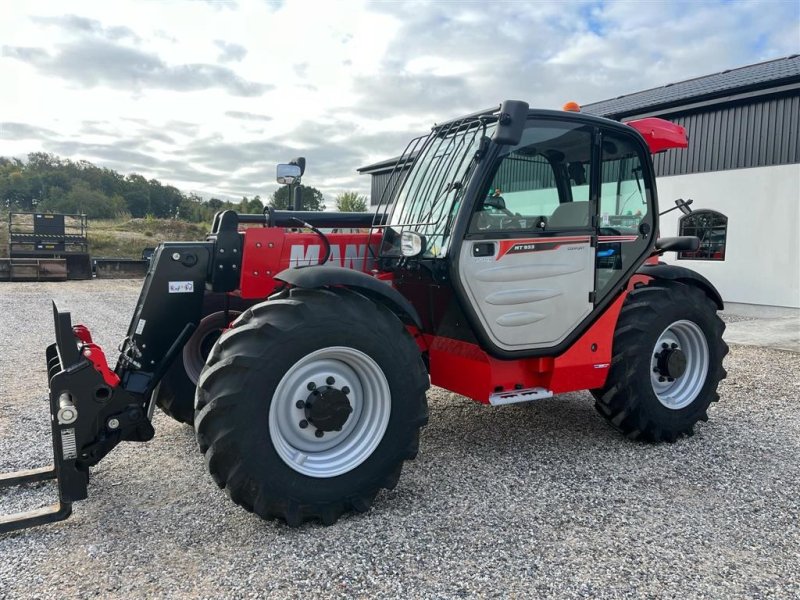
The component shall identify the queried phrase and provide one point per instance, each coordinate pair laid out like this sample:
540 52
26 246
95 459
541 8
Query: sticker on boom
181 287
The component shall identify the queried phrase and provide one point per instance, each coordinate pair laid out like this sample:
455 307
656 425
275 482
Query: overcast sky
209 95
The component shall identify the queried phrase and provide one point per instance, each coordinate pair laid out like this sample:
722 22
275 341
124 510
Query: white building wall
762 256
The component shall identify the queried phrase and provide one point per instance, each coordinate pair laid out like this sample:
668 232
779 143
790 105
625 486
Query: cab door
626 219
527 264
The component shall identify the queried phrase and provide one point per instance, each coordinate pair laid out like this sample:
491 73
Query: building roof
760 78
384 165
769 74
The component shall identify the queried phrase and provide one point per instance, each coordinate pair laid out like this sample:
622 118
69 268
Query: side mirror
683 205
683 243
510 122
680 204
287 174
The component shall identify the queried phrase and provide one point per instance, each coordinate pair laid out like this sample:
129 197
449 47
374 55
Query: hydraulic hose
321 235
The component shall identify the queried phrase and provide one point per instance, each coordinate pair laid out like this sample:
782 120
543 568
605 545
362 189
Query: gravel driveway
538 500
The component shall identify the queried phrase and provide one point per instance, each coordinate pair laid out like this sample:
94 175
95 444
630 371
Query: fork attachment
90 413
93 407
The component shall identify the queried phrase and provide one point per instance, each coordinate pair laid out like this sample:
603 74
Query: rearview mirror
287 174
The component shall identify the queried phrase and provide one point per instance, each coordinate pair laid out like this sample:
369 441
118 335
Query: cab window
623 197
542 184
625 221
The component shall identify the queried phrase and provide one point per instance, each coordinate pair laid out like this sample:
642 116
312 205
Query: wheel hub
671 362
328 408
680 363
332 432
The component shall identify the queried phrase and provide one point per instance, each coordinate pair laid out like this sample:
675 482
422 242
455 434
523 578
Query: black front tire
237 389
629 401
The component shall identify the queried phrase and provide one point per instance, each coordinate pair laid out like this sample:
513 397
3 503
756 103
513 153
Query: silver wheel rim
336 452
683 390
193 357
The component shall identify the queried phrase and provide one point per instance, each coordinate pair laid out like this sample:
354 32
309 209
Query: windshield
427 198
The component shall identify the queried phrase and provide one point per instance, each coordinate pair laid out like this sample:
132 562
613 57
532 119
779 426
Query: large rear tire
310 404
175 393
666 365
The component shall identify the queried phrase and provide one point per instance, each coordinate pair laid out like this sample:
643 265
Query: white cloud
208 96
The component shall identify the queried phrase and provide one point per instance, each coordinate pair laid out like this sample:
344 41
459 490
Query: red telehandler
512 257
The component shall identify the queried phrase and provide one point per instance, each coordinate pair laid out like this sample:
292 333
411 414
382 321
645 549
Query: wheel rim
197 349
335 452
679 365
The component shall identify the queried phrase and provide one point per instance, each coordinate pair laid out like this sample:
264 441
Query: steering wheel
485 222
511 220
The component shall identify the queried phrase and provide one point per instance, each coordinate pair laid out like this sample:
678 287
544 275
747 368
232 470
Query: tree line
48 183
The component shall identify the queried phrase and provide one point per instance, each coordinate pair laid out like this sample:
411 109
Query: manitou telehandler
513 256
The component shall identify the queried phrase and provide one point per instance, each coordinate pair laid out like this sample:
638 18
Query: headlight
412 243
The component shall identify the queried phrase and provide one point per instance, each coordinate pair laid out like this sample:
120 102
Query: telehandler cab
302 358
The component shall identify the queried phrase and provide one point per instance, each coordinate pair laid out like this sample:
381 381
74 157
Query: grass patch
127 238
166 229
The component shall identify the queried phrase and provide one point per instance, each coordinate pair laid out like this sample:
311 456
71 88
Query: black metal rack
40 235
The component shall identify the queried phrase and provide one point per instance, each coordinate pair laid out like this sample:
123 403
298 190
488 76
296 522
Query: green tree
193 208
351 202
46 182
164 199
252 206
81 199
137 195
312 198
15 188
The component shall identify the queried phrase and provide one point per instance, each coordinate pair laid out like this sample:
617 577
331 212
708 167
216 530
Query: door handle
483 249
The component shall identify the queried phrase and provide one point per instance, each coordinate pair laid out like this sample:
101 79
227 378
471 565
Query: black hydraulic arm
171 299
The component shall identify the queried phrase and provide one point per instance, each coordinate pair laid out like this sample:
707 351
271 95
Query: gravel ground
539 500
